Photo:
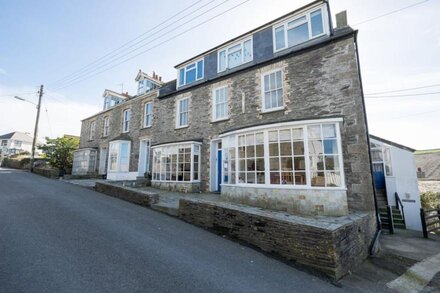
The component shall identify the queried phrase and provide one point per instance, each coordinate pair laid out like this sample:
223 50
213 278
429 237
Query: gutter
373 245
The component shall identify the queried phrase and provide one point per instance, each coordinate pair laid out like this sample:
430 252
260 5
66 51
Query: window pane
182 76
316 21
266 83
200 69
298 35
329 131
298 148
286 164
190 75
274 164
285 149
333 179
318 179
222 61
330 146
259 152
315 147
250 165
279 38
287 178
273 149
247 51
300 163
314 131
331 163
234 59
250 177
274 178
317 163
300 178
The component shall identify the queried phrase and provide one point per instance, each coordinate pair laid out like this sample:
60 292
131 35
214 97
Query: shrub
430 200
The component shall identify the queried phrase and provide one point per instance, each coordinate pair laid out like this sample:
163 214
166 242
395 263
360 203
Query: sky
55 43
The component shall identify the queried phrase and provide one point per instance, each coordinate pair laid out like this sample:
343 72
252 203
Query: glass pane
200 69
250 165
298 35
279 38
250 177
260 165
278 80
250 151
286 164
273 149
315 147
330 146
267 103
247 51
300 163
274 164
260 177
318 179
274 178
300 178
317 163
190 75
331 163
250 140
182 76
298 148
241 152
287 178
234 59
272 81
329 131
241 140
314 131
266 83
297 22
285 135
333 179
259 150
316 21
285 149
273 136
222 61
241 165
186 176
241 177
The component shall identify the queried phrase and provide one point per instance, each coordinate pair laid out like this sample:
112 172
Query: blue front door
379 176
219 170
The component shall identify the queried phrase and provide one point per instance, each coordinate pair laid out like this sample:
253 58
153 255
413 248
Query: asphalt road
58 237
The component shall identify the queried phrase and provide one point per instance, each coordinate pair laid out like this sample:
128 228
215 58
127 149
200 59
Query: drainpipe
329 16
375 240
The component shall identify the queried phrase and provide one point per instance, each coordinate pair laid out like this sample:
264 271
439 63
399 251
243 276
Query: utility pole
34 141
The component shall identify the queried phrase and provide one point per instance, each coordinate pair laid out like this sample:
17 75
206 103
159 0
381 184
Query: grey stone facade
321 81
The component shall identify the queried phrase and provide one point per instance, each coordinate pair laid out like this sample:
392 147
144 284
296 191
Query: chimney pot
341 19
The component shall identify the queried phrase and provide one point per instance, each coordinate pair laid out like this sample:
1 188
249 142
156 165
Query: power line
90 71
403 95
403 90
157 45
18 94
110 54
391 12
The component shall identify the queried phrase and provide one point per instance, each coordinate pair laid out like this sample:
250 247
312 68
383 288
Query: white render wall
404 182
111 175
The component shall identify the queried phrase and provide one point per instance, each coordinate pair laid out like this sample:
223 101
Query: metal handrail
399 205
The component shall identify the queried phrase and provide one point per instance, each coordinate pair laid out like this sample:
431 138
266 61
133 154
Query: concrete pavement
58 237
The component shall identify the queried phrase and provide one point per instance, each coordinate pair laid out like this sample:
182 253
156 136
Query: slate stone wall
332 246
128 194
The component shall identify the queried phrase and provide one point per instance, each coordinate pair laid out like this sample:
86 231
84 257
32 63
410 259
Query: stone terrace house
274 118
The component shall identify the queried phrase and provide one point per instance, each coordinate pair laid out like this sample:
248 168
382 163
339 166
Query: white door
103 161
144 157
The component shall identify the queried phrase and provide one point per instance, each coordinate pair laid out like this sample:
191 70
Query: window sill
273 110
220 120
285 186
146 127
182 127
125 132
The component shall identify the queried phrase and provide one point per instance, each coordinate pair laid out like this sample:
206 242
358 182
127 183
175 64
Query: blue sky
44 41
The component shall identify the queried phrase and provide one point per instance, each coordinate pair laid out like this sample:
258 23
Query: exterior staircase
398 220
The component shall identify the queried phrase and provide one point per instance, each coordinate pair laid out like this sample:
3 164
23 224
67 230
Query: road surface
58 237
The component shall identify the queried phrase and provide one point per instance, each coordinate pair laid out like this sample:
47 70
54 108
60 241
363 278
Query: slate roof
21 136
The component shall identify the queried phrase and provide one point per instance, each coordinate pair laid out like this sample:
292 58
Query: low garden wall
47 172
331 245
128 194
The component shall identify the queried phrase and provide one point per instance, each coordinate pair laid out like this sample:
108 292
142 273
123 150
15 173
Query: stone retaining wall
128 194
49 173
333 246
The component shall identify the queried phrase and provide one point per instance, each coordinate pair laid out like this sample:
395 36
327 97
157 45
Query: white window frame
226 50
214 103
126 121
387 161
92 130
146 115
227 138
192 144
284 24
178 113
185 67
263 98
106 126
118 156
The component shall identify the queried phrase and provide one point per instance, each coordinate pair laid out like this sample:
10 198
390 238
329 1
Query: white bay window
291 154
177 162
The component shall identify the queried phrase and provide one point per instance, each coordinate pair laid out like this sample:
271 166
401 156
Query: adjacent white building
15 143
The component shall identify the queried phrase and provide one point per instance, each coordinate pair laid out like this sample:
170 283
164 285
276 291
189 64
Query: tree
59 151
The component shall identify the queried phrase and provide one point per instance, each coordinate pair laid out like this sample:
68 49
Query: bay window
177 162
190 73
289 154
119 156
300 29
235 55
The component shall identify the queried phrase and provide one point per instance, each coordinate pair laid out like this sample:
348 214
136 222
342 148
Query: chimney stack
341 19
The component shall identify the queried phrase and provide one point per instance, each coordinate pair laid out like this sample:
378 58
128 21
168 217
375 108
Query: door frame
143 167
213 168
103 161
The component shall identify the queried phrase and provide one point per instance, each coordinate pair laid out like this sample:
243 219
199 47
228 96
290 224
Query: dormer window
148 83
235 55
190 73
300 29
